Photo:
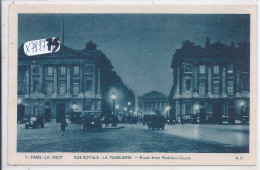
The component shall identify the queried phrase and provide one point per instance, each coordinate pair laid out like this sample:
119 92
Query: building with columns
211 84
152 101
64 83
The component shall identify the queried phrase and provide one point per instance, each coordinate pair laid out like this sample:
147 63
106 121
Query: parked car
156 121
35 122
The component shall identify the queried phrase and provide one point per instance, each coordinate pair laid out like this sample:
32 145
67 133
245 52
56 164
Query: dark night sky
140 46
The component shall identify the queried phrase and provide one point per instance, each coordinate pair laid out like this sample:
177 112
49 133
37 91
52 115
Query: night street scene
133 83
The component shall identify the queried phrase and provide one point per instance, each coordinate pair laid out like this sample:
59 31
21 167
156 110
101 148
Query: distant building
211 84
153 101
66 83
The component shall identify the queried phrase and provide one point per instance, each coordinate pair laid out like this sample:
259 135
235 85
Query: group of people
111 119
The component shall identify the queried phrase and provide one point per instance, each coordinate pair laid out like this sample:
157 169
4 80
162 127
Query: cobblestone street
189 138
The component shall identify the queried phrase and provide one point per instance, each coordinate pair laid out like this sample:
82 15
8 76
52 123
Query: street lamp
129 103
125 109
19 101
117 107
167 109
113 97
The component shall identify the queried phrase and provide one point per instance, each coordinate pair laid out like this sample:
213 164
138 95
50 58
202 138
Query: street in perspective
133 83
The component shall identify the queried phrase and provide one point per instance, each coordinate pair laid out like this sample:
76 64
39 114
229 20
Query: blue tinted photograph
133 83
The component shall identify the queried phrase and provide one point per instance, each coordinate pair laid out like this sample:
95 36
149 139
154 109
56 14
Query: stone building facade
58 84
211 84
153 101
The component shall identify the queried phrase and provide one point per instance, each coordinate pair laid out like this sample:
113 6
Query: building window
216 87
49 88
216 69
202 70
230 69
230 87
89 69
88 85
188 85
187 69
36 86
76 70
50 71
245 82
63 70
75 88
202 89
62 88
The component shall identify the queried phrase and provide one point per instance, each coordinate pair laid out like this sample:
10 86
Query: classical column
68 81
178 83
224 84
98 80
209 82
81 81
27 82
55 82
195 81
238 90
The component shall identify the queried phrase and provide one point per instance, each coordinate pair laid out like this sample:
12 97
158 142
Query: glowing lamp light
197 107
167 108
129 103
130 111
74 106
242 103
117 106
125 108
19 101
113 96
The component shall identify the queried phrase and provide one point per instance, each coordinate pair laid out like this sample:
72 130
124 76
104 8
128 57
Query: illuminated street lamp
167 109
74 106
117 107
113 97
129 103
19 101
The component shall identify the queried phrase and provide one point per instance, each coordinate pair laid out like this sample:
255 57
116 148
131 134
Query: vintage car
35 121
146 119
91 121
156 122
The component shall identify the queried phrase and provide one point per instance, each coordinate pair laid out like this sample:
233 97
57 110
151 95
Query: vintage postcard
132 85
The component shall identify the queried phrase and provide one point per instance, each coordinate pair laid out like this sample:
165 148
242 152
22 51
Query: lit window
216 69
202 70
215 87
76 70
230 69
202 89
230 87
49 88
62 88
63 70
75 88
50 71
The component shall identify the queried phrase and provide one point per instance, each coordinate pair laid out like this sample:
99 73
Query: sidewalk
237 135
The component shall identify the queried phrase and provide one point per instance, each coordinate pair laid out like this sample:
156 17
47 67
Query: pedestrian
107 121
181 120
63 125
